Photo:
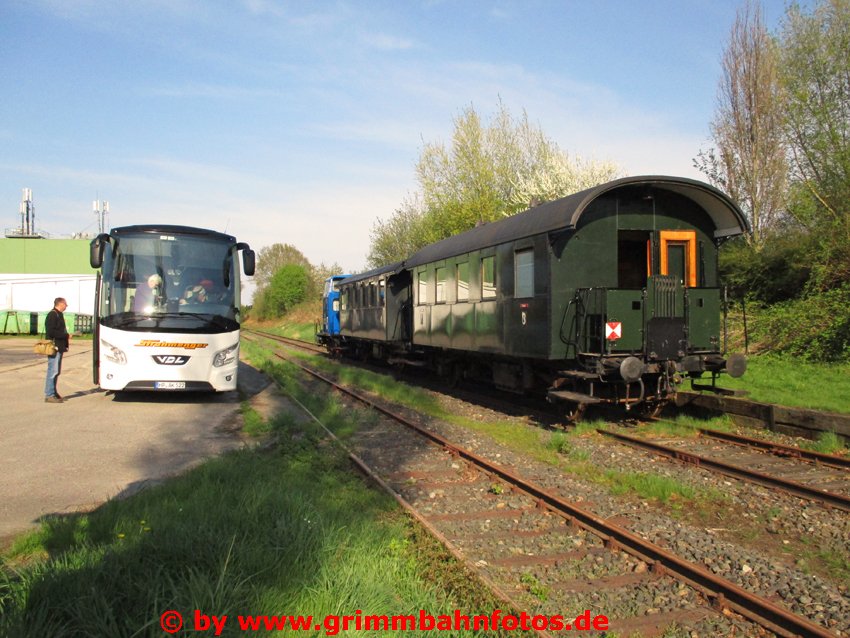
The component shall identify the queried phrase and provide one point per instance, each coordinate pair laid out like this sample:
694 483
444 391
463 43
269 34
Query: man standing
55 329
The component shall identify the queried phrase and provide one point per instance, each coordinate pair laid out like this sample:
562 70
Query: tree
556 175
490 171
749 162
318 275
815 72
272 258
497 170
288 287
398 237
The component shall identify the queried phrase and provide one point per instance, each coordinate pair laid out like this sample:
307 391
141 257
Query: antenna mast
101 209
27 214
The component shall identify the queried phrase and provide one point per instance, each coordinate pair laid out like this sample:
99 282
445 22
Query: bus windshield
170 283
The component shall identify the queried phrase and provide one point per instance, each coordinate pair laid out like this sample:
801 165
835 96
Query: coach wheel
649 409
452 373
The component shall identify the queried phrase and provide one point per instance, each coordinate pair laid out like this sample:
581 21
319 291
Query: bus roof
170 229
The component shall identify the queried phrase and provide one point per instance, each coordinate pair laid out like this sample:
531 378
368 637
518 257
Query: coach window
463 282
524 273
422 295
441 285
488 277
344 296
373 295
382 292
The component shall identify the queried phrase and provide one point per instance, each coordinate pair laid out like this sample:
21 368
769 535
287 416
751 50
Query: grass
289 530
294 329
826 443
791 382
648 486
811 555
298 330
534 586
292 532
253 422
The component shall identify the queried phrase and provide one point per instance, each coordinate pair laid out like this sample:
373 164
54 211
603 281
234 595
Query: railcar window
441 285
488 277
463 282
373 294
524 273
344 297
422 295
382 290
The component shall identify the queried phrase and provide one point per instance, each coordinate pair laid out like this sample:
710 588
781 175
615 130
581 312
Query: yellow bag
45 346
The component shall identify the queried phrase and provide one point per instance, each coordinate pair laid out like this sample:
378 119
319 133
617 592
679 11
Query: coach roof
369 274
564 214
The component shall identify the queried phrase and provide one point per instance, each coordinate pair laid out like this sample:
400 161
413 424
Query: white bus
167 308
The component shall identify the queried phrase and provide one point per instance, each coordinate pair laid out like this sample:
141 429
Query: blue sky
301 122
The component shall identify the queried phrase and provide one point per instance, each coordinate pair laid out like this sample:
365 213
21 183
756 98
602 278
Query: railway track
818 477
822 478
544 554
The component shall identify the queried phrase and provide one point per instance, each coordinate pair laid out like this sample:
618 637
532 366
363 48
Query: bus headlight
113 353
228 355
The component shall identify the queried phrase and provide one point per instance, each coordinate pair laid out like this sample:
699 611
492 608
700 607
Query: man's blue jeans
54 367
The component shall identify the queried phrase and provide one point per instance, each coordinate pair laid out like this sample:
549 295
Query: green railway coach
608 295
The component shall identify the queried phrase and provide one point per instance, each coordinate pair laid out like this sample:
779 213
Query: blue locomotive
607 296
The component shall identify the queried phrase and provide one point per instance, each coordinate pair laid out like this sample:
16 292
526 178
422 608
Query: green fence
18 322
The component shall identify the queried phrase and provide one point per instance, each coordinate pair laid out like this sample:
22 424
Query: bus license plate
170 385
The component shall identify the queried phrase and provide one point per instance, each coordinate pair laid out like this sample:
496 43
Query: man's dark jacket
54 328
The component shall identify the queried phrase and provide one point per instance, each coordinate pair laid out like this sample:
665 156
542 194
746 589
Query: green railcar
609 295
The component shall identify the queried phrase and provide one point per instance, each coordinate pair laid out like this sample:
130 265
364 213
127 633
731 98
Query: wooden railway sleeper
613 545
719 602
686 458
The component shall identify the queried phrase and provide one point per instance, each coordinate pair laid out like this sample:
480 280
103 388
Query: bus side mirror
249 261
96 248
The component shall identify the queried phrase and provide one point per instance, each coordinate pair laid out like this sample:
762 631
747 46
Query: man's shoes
54 399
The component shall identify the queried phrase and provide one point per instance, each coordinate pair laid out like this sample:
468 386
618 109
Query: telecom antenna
101 209
27 214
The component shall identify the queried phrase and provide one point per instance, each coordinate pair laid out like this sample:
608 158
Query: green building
33 272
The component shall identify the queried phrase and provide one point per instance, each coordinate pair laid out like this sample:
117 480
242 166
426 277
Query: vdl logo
170 359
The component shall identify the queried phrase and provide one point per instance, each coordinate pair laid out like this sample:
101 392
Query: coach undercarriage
642 388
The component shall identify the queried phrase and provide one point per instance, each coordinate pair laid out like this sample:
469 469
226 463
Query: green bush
815 327
776 273
288 287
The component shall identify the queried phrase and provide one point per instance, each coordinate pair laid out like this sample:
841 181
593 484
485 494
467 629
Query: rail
832 499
